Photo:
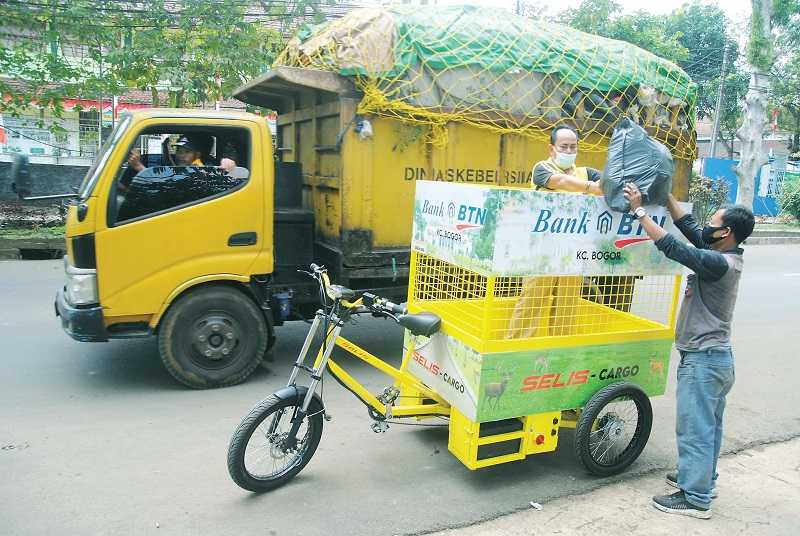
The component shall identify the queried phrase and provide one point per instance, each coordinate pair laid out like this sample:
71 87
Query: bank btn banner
519 232
490 387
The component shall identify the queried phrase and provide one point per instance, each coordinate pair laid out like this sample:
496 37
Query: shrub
789 198
706 195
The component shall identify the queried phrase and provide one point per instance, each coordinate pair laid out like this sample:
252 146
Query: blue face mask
565 160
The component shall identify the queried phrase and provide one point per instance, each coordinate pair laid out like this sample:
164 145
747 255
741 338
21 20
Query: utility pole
100 106
518 9
718 109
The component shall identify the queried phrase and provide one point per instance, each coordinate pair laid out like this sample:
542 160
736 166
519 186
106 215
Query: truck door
173 218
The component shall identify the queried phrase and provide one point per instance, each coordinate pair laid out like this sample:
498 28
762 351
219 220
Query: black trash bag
635 157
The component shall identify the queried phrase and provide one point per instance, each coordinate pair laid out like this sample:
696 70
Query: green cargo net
492 69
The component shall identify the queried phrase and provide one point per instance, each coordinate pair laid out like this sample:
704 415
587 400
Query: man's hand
633 195
135 160
568 183
227 164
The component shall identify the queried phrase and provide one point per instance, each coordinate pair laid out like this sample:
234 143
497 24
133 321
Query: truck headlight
81 285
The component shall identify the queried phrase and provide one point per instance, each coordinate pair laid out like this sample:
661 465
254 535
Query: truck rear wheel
212 337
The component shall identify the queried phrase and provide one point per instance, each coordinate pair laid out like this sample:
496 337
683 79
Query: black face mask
709 230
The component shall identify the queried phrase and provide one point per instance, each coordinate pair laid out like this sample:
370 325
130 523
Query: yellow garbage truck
192 224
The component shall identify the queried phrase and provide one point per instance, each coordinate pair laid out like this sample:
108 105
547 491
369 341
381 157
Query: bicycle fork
315 371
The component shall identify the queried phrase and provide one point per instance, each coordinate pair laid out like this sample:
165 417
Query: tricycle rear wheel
613 428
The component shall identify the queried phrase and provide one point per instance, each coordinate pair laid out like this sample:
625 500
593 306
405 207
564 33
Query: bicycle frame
402 378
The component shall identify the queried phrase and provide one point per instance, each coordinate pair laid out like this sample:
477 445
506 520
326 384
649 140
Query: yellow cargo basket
495 314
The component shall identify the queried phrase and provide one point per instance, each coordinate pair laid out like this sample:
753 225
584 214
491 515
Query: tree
785 77
702 30
786 95
202 52
694 36
605 18
734 90
767 15
197 50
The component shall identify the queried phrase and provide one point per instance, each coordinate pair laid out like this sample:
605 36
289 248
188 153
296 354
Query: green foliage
789 199
694 36
759 46
707 195
200 50
785 72
34 232
702 30
734 92
605 18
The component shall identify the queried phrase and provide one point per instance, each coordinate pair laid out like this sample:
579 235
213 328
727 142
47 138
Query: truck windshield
90 180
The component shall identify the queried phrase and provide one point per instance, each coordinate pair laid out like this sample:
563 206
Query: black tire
258 420
212 337
601 442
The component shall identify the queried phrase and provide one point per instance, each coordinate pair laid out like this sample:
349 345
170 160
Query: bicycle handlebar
398 309
373 302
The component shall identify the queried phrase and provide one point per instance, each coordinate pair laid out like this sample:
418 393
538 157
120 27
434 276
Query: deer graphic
541 364
493 391
657 367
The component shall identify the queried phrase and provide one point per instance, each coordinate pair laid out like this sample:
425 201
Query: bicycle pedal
379 427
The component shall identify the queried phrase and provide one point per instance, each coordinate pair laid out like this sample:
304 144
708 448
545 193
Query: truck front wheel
212 337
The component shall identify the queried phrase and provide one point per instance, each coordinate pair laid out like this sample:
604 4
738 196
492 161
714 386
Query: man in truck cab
190 150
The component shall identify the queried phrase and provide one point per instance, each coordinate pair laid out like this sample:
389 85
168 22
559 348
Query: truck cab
156 245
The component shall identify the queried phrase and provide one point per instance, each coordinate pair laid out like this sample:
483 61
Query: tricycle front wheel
259 456
613 428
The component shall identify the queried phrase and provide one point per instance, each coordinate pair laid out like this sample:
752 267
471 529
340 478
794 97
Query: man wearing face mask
552 301
559 172
703 339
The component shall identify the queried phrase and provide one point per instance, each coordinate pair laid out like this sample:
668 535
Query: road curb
773 240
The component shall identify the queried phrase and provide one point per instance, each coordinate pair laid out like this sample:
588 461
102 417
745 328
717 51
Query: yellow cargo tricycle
528 312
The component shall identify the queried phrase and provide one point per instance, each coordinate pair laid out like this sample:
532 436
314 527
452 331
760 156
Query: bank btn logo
628 230
604 222
451 212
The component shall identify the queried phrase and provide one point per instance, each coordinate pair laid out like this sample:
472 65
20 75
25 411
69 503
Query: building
776 142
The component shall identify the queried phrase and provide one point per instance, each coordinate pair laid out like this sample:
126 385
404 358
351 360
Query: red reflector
539 439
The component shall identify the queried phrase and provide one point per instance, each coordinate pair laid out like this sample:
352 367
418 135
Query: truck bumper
83 324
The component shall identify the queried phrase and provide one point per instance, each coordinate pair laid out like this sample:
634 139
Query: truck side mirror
21 176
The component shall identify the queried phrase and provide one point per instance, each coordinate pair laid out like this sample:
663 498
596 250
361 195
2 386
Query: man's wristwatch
639 212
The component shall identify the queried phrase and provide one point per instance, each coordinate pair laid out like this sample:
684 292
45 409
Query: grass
37 233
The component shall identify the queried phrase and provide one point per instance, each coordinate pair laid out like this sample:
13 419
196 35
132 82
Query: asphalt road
98 439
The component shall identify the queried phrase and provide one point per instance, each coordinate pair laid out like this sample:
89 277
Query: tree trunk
751 133
751 136
154 94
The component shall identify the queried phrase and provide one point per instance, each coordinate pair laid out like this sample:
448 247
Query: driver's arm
135 160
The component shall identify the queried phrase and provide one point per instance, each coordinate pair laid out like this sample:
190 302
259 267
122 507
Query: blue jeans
704 378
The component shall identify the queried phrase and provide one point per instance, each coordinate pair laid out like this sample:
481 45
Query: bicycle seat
421 323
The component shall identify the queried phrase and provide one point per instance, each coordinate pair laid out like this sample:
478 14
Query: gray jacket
705 317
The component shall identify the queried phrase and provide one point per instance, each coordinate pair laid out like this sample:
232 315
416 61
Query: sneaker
677 504
672 480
